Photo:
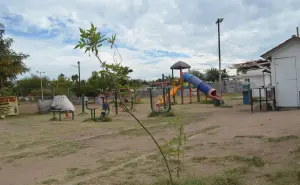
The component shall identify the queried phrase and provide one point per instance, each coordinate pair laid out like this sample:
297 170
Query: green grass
249 160
281 138
270 139
251 136
209 128
76 172
163 114
50 182
284 177
59 149
207 101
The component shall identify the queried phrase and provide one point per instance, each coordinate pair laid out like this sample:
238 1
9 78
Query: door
286 82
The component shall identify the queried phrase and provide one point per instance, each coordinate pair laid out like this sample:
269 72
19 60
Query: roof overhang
253 65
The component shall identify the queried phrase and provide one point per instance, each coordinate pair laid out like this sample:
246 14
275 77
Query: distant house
257 78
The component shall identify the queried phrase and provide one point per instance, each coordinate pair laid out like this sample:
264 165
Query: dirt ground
254 147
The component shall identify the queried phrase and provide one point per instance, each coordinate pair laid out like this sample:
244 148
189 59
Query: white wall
257 79
290 50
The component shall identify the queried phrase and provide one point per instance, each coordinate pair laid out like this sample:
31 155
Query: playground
225 143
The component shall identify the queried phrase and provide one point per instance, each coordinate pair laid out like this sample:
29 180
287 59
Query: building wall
291 50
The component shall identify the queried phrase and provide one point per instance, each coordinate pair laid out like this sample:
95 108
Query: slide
174 90
202 86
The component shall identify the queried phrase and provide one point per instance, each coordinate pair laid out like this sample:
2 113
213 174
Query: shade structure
180 65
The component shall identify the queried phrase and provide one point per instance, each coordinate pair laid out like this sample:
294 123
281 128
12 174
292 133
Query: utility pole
219 20
41 83
78 63
78 66
297 30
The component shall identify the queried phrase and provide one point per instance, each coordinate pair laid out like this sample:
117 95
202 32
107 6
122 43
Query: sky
151 34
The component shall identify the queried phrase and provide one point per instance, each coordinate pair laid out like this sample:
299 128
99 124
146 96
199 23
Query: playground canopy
180 65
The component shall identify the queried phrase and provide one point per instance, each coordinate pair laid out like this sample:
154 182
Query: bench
93 110
62 111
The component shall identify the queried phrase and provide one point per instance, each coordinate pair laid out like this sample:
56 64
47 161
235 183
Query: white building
285 68
257 78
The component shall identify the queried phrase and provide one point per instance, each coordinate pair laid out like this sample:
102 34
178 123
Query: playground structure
192 81
186 81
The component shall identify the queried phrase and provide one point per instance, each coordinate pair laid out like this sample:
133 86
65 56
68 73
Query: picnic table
61 111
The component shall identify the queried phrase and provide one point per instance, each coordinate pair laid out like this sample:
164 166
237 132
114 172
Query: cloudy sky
151 34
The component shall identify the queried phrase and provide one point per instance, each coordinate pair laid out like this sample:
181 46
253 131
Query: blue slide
202 86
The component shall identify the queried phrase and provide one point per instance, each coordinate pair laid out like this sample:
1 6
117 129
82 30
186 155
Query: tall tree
199 74
11 62
212 75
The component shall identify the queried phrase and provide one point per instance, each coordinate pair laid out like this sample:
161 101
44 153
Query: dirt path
93 158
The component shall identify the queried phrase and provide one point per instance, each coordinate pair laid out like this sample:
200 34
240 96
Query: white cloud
249 28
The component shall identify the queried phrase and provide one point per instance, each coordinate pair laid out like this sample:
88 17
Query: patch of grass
81 183
99 119
169 114
207 102
199 159
154 114
227 179
252 160
77 172
249 160
190 181
209 128
12 158
61 149
281 138
164 114
50 182
241 170
251 136
284 177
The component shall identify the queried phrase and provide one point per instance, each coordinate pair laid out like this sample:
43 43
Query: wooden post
181 79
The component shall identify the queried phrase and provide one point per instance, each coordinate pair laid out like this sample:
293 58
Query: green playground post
82 103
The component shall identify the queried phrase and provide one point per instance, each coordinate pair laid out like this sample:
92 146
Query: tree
212 75
199 74
11 62
27 85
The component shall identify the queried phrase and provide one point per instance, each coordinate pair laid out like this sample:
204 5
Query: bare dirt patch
232 143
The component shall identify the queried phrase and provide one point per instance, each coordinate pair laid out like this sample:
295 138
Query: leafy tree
212 75
11 62
27 85
199 74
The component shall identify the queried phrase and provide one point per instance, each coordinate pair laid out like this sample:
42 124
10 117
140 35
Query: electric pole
78 63
219 20
78 66
41 83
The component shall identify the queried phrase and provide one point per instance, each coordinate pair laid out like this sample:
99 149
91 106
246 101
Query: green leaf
81 30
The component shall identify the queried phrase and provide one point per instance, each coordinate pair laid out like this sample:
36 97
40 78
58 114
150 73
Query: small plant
281 138
175 149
